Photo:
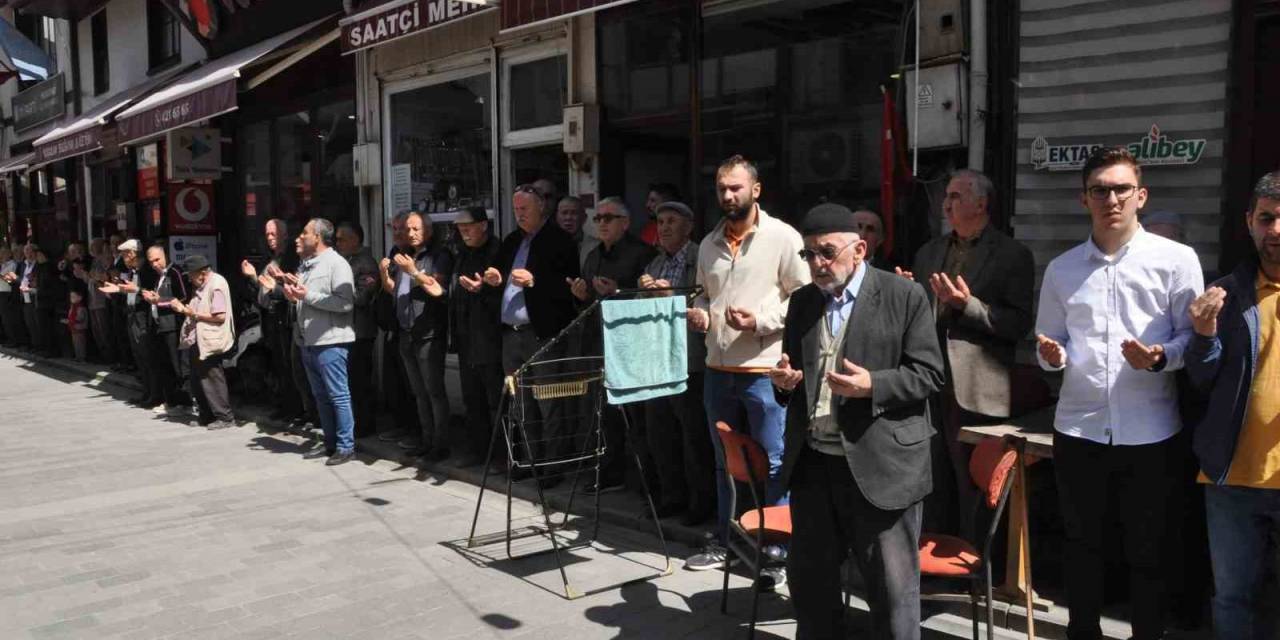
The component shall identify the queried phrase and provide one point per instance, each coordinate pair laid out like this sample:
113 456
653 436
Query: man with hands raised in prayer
1114 318
860 360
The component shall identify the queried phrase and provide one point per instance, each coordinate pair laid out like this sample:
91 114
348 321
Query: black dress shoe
340 458
419 451
436 454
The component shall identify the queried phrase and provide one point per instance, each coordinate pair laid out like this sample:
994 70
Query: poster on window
180 247
401 188
191 208
194 154
148 172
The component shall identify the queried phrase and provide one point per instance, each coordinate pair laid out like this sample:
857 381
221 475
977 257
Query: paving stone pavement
117 522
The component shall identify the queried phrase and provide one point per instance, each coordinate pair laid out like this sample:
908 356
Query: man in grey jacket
323 291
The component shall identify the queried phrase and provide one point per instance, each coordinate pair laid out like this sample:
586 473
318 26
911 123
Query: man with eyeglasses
1114 318
981 284
748 266
859 361
616 263
535 264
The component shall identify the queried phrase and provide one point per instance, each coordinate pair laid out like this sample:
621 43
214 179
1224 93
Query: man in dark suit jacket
857 456
980 283
535 265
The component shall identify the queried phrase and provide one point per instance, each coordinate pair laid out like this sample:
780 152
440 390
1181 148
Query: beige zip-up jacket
760 279
210 339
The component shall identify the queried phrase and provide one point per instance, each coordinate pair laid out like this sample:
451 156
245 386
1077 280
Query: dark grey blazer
886 437
981 339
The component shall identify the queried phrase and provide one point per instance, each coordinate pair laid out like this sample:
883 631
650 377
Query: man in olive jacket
857 454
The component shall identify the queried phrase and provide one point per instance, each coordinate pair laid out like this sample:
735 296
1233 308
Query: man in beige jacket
208 334
748 265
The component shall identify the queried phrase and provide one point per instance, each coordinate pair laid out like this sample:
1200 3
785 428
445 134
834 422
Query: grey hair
323 228
1268 186
982 185
282 227
616 201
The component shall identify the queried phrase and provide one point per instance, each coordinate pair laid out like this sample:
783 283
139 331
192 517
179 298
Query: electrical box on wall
941 28
366 162
581 128
940 105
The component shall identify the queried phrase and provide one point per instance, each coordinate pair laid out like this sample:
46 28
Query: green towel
645 348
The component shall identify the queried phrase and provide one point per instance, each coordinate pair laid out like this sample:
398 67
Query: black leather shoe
436 454
340 458
317 453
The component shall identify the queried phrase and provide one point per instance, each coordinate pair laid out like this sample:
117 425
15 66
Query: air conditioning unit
830 154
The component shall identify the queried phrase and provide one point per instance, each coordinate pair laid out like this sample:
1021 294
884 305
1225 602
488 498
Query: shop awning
202 93
16 163
399 18
21 57
85 133
517 14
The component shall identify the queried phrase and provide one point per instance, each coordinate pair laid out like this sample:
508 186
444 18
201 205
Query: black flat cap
195 262
676 207
828 218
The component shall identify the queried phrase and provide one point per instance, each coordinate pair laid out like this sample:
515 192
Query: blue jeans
1240 520
326 368
744 400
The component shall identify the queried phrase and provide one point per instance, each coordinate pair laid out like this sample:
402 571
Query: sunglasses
606 218
827 253
527 188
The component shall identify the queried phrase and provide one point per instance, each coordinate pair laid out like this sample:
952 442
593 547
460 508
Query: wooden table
1034 432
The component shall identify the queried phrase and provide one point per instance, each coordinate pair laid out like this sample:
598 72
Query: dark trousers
208 384
143 347
423 362
1133 482
100 329
397 397
1241 520
831 519
301 383
119 317
280 343
39 321
543 420
171 367
360 378
482 394
15 329
683 458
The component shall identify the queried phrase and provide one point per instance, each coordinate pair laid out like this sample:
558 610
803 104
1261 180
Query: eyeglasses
1123 192
527 188
605 217
827 253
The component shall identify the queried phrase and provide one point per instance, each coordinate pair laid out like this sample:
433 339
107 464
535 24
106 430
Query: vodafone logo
192 204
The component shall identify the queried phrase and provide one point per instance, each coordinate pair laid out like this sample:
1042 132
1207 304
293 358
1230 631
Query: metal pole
978 80
915 102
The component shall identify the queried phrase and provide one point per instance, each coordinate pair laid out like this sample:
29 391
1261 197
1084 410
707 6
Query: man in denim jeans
1235 358
749 265
324 294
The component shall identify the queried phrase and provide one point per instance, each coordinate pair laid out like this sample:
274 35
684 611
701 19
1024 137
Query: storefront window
254 145
441 147
293 153
335 190
536 163
541 85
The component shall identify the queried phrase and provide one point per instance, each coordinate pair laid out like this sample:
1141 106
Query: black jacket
364 271
553 258
980 340
175 288
431 314
886 437
623 263
474 322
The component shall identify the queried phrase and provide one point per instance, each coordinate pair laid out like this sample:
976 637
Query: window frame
99 52
162 26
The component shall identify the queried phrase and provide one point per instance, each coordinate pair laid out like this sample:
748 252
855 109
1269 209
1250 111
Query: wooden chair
992 468
745 462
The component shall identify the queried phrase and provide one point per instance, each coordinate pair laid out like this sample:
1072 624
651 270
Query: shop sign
73 145
191 208
181 247
384 24
194 154
39 104
1155 148
193 107
522 13
148 172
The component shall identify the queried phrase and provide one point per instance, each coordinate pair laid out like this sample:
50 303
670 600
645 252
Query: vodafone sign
191 208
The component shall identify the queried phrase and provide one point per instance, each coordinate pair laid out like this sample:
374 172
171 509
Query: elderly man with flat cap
860 360
208 334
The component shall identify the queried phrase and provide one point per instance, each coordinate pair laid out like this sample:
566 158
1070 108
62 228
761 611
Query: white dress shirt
1090 303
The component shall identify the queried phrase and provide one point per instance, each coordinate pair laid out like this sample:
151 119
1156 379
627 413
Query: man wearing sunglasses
1114 319
534 267
860 360
616 263
981 286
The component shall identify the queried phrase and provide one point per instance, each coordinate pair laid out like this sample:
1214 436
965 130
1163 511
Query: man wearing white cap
137 318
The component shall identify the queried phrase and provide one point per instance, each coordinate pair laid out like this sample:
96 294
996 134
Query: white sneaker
712 557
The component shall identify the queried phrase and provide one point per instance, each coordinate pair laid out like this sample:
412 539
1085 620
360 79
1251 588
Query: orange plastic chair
746 462
991 468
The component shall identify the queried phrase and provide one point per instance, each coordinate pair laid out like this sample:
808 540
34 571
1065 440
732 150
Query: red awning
522 13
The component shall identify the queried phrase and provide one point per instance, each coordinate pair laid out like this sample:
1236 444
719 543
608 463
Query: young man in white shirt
1114 317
